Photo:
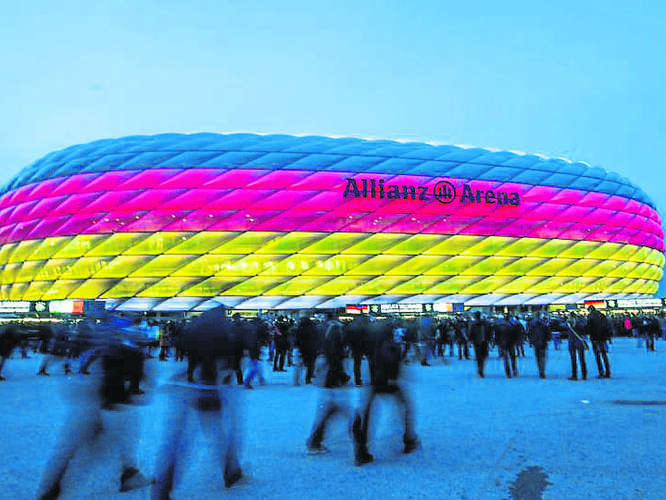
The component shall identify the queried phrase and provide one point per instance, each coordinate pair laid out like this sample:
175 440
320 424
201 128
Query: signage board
13 306
635 303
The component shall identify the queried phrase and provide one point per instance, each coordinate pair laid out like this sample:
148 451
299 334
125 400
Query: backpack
389 360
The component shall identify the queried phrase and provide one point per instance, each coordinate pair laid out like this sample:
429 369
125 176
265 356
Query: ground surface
490 438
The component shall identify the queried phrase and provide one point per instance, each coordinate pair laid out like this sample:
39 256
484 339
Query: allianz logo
444 192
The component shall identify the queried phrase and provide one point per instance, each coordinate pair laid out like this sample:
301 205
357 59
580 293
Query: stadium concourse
481 438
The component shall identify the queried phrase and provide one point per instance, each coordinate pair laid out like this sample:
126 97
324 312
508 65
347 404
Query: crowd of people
219 351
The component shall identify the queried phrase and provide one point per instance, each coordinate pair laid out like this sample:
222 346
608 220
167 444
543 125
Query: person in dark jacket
540 334
307 342
256 334
386 359
598 329
506 335
480 332
577 345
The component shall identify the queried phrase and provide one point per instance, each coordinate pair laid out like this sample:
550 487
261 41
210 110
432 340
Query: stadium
179 222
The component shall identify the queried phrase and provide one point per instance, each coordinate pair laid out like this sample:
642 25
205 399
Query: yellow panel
550 267
455 284
620 286
650 288
523 284
299 285
212 286
4 291
580 249
61 289
420 284
340 285
117 243
290 243
158 243
550 285
93 288
338 264
604 251
551 248
122 265
521 266
208 265
490 245
576 285
489 266
603 268
5 251
600 286
417 265
488 285
247 242
655 257
9 273
85 267
413 245
629 270
249 266
379 264
521 247
578 267
28 270
18 290
294 265
641 255
636 286
80 245
49 247
380 284
163 265
335 243
625 252
454 265
653 272
377 243
53 269
129 287
23 250
258 285
202 242
454 245
37 289
168 287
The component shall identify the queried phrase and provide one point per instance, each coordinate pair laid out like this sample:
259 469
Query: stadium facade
182 222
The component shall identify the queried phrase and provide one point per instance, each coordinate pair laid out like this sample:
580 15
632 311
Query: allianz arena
183 222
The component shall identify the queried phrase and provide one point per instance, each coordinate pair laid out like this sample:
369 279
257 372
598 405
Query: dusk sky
581 80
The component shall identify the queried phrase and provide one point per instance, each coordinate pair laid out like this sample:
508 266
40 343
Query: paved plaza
489 438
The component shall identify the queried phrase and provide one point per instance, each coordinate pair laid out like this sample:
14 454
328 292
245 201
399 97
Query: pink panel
280 179
156 220
322 201
45 188
568 196
599 216
520 227
5 199
21 211
291 220
578 232
593 199
200 220
282 200
374 224
574 213
193 199
112 200
615 203
114 221
75 203
22 194
77 224
332 222
192 178
151 198
487 227
604 232
539 193
334 181
109 181
47 227
238 199
234 179
22 230
633 206
243 221
148 179
74 184
454 224
46 206
622 218
5 231
5 215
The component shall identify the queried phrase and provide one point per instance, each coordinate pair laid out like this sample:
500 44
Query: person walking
479 332
506 335
540 334
599 332
577 347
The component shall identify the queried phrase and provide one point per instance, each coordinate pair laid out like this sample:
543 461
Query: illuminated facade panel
145 220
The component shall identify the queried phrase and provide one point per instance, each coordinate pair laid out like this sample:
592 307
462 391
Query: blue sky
583 80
